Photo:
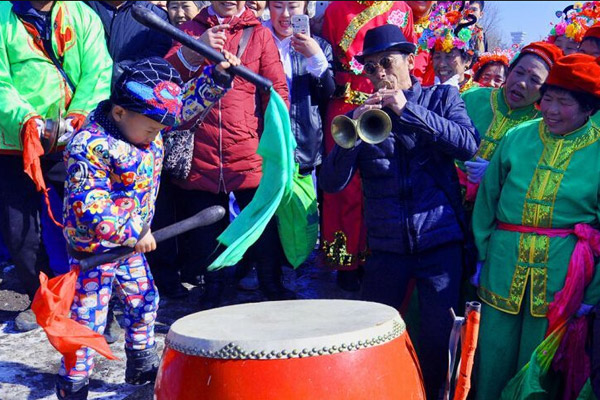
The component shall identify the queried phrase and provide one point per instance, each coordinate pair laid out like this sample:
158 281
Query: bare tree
491 23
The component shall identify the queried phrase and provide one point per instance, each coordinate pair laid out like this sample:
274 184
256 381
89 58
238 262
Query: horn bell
374 126
344 132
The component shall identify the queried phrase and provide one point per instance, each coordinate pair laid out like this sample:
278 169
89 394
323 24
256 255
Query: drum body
305 349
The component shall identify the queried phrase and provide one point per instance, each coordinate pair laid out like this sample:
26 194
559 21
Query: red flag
467 356
52 306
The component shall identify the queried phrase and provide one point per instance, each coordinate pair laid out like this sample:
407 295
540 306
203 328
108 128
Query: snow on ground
28 363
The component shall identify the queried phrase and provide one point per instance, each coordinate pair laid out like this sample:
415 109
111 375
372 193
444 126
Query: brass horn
55 127
373 127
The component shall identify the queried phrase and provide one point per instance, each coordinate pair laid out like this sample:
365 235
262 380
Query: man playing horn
413 208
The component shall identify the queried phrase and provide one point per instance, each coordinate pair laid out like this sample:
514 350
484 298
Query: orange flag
32 151
52 306
467 358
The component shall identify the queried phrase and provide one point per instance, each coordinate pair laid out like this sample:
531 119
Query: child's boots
69 390
142 366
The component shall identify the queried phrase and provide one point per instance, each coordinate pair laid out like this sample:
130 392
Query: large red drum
287 350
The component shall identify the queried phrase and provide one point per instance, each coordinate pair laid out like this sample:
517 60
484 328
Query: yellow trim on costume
539 282
359 21
538 212
469 84
499 126
512 303
533 255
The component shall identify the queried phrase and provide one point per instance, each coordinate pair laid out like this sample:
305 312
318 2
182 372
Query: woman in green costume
541 186
495 111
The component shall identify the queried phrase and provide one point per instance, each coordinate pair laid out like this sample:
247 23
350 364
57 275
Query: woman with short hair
494 111
183 11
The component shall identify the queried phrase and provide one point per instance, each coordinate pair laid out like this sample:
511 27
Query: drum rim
279 349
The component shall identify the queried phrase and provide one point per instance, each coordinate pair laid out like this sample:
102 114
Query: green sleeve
475 99
14 109
486 204
96 65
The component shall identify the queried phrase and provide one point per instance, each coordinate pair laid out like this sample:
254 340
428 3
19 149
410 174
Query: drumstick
146 17
205 217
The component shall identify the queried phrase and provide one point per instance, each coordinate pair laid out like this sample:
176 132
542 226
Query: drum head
285 329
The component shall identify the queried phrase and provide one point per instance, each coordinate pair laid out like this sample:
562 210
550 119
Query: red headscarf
593 32
546 51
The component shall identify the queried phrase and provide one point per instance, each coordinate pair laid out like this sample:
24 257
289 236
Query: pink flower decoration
560 29
459 44
431 42
356 67
398 18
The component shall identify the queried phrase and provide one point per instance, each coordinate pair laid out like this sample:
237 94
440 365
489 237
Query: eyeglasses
370 68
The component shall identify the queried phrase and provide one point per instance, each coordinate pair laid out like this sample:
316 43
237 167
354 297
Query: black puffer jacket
128 40
310 96
406 208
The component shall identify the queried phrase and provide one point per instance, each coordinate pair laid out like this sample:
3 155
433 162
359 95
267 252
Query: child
113 173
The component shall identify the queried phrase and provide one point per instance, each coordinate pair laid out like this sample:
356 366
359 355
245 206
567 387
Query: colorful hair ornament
451 26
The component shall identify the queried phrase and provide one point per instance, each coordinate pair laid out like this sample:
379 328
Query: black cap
384 38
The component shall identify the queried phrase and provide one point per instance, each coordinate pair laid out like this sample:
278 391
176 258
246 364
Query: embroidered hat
576 72
451 26
151 87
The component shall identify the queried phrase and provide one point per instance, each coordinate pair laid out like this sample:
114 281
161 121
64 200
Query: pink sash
581 268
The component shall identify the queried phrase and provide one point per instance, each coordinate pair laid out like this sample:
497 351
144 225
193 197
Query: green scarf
276 148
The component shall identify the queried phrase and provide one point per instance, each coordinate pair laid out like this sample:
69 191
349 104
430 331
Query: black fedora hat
385 38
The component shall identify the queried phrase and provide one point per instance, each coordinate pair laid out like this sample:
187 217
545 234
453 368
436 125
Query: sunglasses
370 68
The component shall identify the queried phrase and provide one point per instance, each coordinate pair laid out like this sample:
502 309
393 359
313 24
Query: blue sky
532 17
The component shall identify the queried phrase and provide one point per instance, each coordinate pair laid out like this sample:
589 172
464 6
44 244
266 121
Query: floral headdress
498 55
575 21
450 27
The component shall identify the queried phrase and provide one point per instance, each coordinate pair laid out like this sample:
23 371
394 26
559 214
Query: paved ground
28 363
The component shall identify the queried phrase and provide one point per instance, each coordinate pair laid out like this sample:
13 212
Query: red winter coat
225 143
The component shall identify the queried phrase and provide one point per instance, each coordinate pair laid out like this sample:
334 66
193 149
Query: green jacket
29 81
493 117
542 180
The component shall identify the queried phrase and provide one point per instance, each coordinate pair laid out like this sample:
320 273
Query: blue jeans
437 273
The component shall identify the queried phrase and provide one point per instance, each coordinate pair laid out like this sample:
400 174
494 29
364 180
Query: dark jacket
126 38
310 97
406 209
226 141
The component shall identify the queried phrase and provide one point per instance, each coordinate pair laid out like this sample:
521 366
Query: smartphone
300 24
320 8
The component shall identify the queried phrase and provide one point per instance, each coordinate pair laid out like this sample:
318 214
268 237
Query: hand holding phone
305 45
301 41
